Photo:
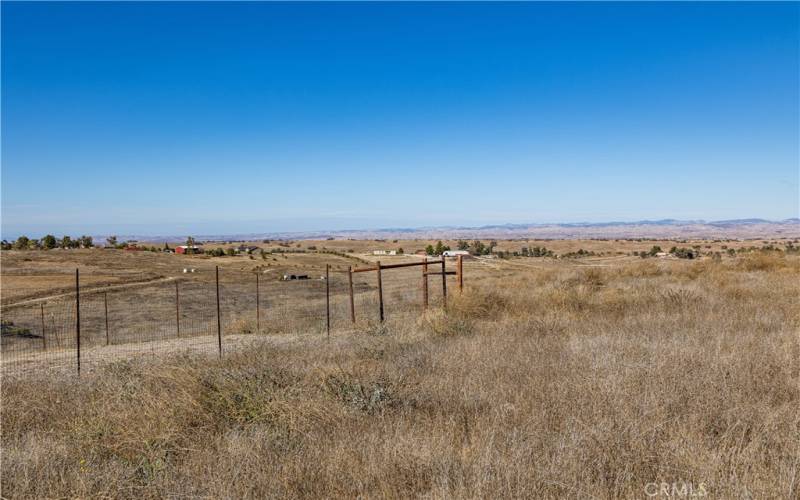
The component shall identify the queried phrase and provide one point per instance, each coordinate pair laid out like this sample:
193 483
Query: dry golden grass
559 382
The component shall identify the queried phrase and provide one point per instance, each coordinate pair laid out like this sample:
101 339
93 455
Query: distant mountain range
664 228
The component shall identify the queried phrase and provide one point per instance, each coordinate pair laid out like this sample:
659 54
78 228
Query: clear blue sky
175 118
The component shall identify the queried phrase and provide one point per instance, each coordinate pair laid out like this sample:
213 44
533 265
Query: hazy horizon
292 227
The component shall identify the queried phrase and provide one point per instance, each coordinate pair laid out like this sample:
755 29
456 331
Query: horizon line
453 227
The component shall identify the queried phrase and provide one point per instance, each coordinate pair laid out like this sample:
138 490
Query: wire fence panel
184 314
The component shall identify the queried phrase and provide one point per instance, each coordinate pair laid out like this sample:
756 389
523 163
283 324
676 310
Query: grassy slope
567 383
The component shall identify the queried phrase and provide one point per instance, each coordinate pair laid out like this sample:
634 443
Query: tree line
48 242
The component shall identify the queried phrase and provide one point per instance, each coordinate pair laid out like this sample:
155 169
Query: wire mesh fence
205 315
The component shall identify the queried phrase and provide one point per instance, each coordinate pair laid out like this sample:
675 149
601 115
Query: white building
454 253
384 252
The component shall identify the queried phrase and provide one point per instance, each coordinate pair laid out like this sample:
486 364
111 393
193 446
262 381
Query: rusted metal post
105 305
424 283
352 301
219 319
177 310
44 337
258 307
78 319
380 291
328 299
460 273
444 285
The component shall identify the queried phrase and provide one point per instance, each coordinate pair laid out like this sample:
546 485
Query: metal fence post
258 308
328 299
44 337
219 320
380 291
444 285
105 306
424 283
78 319
460 273
352 301
177 311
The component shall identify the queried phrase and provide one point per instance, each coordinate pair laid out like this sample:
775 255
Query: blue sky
165 118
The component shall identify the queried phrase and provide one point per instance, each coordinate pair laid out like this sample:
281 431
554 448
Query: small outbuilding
184 249
248 249
455 253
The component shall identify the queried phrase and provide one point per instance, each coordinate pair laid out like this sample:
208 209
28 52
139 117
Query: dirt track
106 288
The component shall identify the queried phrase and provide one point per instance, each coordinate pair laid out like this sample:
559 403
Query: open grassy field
547 378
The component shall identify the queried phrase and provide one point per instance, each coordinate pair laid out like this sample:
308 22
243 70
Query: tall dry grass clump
591 383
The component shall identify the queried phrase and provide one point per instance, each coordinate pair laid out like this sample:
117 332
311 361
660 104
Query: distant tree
231 251
655 250
429 250
86 241
524 251
400 251
440 248
5 245
49 242
478 248
462 245
112 241
66 242
683 253
22 243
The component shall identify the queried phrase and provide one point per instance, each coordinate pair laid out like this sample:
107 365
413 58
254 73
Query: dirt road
106 288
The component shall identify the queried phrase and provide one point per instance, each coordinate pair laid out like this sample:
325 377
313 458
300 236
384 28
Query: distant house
184 249
384 252
455 253
247 249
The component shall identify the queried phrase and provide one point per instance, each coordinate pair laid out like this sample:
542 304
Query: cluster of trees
221 252
683 252
526 252
579 254
536 252
48 242
439 249
477 247
112 242
680 252
655 250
